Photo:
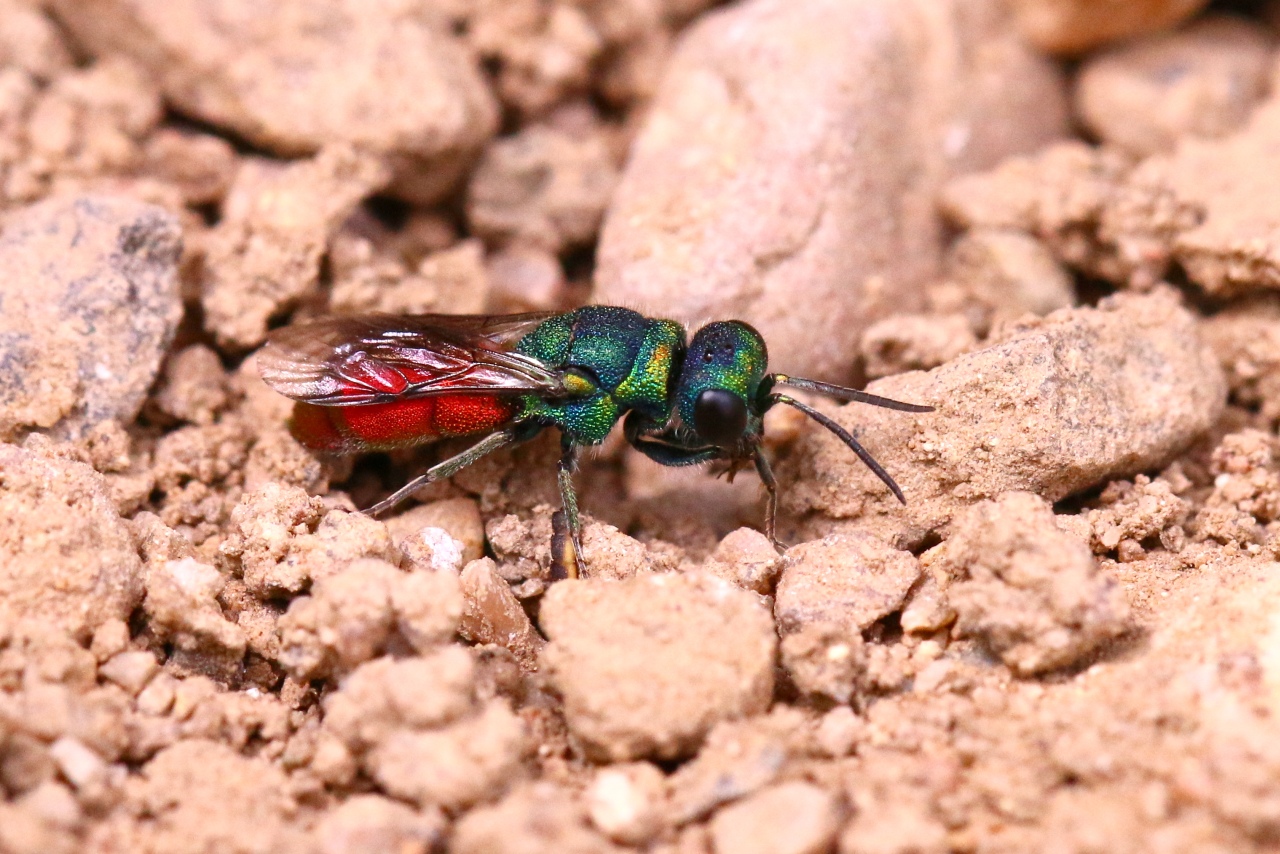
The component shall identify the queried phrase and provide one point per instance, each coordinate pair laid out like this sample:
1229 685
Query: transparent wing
378 358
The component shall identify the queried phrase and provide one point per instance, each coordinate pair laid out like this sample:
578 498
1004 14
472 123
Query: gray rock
88 306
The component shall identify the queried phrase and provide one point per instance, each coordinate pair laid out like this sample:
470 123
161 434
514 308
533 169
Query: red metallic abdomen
400 424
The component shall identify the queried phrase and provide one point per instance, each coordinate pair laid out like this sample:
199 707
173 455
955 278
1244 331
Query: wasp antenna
851 395
848 439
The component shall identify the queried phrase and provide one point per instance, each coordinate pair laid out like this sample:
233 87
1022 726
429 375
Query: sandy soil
1055 222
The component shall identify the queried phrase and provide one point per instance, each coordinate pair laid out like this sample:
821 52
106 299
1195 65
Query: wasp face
719 384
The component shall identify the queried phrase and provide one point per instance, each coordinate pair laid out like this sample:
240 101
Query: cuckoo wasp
380 382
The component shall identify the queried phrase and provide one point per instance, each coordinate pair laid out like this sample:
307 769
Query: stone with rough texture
193 387
282 540
831 591
1211 206
88 305
824 660
737 759
542 187
1061 196
182 604
915 342
1028 590
384 696
1072 27
204 796
362 610
1205 211
1058 405
850 580
1005 273
786 173
646 666
1246 337
266 253
66 556
453 767
383 75
746 558
415 726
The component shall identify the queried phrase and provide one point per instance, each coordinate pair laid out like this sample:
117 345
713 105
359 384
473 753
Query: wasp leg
453 465
564 555
771 508
566 545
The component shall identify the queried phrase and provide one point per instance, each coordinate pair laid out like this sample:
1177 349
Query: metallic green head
718 389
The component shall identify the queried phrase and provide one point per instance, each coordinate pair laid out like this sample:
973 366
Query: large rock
787 171
88 305
380 74
1060 405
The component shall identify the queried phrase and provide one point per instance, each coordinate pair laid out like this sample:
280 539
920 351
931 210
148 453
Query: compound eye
720 416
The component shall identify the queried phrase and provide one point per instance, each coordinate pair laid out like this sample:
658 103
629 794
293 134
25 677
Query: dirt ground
1056 221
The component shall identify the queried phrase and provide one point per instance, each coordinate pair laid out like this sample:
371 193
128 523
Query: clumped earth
1054 220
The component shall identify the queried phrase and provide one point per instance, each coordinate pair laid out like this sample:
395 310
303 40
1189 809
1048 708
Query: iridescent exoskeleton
380 382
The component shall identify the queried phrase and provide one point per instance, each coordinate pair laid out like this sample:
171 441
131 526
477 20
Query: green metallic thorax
630 357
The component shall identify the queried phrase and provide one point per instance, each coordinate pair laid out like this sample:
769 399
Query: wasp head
718 389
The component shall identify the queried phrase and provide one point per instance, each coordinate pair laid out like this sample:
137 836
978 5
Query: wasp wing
378 358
